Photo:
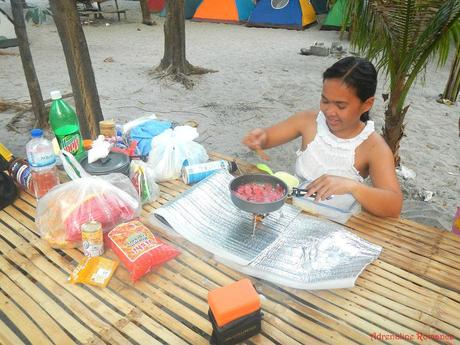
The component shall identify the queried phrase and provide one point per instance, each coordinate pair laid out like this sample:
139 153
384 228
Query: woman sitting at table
339 145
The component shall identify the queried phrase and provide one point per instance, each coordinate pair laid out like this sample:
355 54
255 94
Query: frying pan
252 206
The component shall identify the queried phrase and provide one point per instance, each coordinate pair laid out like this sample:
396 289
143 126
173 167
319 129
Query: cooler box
339 208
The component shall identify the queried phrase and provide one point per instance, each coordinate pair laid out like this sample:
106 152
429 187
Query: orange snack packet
138 249
95 271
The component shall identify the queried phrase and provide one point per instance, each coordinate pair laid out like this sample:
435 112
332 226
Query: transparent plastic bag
110 200
171 149
143 179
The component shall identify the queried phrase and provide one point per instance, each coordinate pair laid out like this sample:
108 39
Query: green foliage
37 14
402 36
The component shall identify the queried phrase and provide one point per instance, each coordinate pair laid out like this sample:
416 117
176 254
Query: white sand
261 79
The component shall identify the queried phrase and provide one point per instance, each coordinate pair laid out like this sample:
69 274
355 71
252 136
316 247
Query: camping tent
190 7
335 18
225 11
320 6
7 34
292 14
155 5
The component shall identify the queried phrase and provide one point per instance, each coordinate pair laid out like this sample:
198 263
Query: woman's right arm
281 133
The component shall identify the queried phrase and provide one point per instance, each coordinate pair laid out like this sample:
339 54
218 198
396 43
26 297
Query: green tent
335 17
190 7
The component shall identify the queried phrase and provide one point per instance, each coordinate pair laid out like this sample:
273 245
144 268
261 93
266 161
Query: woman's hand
328 185
256 140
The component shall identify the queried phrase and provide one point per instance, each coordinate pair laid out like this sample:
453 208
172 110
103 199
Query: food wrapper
95 271
138 249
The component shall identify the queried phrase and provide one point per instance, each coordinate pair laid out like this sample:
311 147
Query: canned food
92 238
194 173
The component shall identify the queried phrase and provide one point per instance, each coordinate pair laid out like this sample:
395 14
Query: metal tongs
302 192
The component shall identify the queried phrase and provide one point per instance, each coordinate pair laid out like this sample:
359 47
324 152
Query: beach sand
261 79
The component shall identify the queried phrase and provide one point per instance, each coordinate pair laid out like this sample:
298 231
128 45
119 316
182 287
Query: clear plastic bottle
42 160
65 125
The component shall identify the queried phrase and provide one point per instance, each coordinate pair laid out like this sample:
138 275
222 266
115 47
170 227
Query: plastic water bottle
64 123
42 160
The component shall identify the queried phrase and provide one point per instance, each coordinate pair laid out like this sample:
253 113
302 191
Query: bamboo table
411 294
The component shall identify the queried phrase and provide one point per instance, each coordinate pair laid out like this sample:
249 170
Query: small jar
107 128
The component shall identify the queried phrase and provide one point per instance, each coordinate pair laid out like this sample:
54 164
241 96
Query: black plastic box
237 330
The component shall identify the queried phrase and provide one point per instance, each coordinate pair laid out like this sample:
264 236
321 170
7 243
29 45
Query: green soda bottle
64 123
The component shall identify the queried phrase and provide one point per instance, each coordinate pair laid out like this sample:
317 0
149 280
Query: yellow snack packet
95 271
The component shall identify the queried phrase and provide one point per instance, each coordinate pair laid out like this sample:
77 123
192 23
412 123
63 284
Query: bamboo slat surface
411 294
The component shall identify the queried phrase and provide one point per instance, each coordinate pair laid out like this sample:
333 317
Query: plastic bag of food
171 149
138 249
110 200
143 179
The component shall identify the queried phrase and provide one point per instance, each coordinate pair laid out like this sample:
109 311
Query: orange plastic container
233 301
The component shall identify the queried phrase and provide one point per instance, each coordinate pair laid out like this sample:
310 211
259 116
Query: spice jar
107 128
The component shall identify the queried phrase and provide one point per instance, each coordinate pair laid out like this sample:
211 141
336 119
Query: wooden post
33 84
79 66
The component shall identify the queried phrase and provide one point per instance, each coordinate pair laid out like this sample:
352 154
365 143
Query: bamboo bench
99 12
412 290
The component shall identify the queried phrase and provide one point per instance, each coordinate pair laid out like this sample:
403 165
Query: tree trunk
79 66
33 84
174 62
174 28
453 84
146 18
393 129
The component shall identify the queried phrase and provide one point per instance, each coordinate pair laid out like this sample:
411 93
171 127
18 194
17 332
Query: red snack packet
138 249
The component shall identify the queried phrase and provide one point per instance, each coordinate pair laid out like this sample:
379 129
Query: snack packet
95 271
138 249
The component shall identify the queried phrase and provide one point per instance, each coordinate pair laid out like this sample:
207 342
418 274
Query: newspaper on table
289 248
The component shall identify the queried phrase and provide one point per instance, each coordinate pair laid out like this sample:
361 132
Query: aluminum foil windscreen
288 248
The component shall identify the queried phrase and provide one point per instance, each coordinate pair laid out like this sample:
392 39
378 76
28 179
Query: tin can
92 238
20 171
194 173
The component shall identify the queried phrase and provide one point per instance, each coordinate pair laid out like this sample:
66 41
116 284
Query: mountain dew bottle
64 123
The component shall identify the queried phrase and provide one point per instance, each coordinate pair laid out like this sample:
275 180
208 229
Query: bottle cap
55 95
36 133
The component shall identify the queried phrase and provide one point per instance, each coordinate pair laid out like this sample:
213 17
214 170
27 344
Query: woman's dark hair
357 73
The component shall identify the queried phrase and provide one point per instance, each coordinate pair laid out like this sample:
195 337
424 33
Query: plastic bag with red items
110 200
138 249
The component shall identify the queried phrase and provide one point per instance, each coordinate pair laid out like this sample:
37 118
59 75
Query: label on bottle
71 143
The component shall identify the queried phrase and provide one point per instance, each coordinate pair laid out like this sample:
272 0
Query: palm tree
453 83
402 36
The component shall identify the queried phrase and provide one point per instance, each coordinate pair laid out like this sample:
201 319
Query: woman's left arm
383 199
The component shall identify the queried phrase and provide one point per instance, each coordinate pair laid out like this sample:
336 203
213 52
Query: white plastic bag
171 149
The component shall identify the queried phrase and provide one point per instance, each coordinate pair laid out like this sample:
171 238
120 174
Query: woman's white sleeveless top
328 154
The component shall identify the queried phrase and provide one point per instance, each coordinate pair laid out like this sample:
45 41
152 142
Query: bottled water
42 160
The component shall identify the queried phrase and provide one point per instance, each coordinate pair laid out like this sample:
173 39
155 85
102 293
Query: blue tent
293 14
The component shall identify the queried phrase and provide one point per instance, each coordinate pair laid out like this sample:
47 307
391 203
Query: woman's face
342 107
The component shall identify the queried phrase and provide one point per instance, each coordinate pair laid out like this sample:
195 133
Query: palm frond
402 35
